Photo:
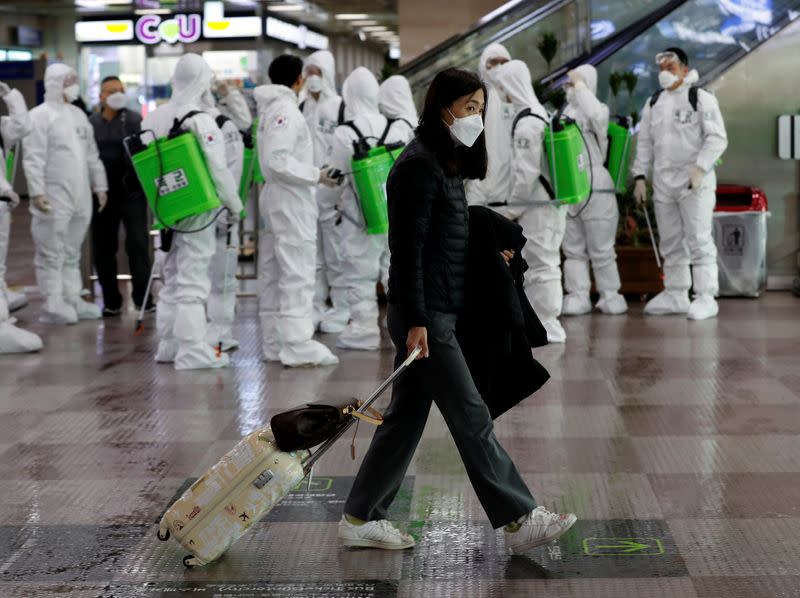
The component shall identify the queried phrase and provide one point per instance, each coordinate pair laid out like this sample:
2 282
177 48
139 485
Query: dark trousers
131 211
442 378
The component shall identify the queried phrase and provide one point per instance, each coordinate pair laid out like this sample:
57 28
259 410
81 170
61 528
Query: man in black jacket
126 202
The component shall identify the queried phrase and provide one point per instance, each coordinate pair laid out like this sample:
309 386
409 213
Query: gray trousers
442 378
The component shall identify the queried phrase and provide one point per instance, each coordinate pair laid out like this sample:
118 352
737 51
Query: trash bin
740 233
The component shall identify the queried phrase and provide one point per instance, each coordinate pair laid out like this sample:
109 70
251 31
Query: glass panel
714 33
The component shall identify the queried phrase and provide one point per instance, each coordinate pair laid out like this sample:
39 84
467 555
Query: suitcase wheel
188 561
163 538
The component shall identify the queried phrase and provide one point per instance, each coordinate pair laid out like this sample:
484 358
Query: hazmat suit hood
191 79
491 51
54 78
395 99
324 61
589 75
690 79
265 95
360 93
514 80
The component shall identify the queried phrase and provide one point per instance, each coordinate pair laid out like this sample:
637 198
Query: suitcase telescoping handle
309 464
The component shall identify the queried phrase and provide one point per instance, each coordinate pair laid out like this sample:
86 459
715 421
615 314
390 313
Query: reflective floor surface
676 443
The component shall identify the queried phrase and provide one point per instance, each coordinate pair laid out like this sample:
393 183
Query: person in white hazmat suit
542 225
12 128
232 104
181 308
362 252
499 115
288 209
319 91
681 137
221 306
396 102
591 225
62 167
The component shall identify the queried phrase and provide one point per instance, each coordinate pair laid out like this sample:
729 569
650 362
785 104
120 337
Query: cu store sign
151 29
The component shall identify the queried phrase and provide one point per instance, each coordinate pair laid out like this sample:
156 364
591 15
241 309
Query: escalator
613 35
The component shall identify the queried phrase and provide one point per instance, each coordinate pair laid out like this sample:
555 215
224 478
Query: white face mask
314 83
71 92
466 130
117 101
667 79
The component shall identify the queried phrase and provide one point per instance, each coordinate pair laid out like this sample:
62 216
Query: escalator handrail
616 42
493 17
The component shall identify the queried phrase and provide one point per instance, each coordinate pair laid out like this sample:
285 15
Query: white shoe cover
612 304
87 311
555 332
65 314
333 322
167 349
575 304
307 354
703 307
17 340
667 303
194 352
360 337
16 300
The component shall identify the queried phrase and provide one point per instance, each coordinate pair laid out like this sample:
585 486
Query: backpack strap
340 118
693 93
542 179
523 114
176 124
221 120
654 98
389 123
353 126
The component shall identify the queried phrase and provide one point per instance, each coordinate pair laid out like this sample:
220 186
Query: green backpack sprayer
370 169
568 162
618 156
173 173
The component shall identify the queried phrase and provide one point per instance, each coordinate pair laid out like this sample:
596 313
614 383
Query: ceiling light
363 23
376 28
286 8
362 36
351 17
100 3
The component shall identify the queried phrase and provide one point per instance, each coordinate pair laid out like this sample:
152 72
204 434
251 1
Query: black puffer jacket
428 236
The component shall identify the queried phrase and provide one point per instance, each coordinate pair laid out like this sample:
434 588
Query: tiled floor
676 443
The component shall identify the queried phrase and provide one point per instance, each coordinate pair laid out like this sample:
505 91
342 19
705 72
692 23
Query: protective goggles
664 57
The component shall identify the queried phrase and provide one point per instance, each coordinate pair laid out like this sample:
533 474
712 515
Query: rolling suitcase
243 487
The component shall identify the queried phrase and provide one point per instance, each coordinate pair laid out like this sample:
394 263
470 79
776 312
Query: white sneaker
373 534
539 528
612 304
575 304
703 307
667 303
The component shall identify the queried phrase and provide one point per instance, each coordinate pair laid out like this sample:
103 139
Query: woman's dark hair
285 70
446 87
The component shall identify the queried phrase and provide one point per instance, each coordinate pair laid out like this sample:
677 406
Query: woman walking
428 234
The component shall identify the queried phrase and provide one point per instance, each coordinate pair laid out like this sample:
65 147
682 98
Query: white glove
696 178
233 215
11 196
576 79
102 200
640 191
41 203
326 179
4 89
